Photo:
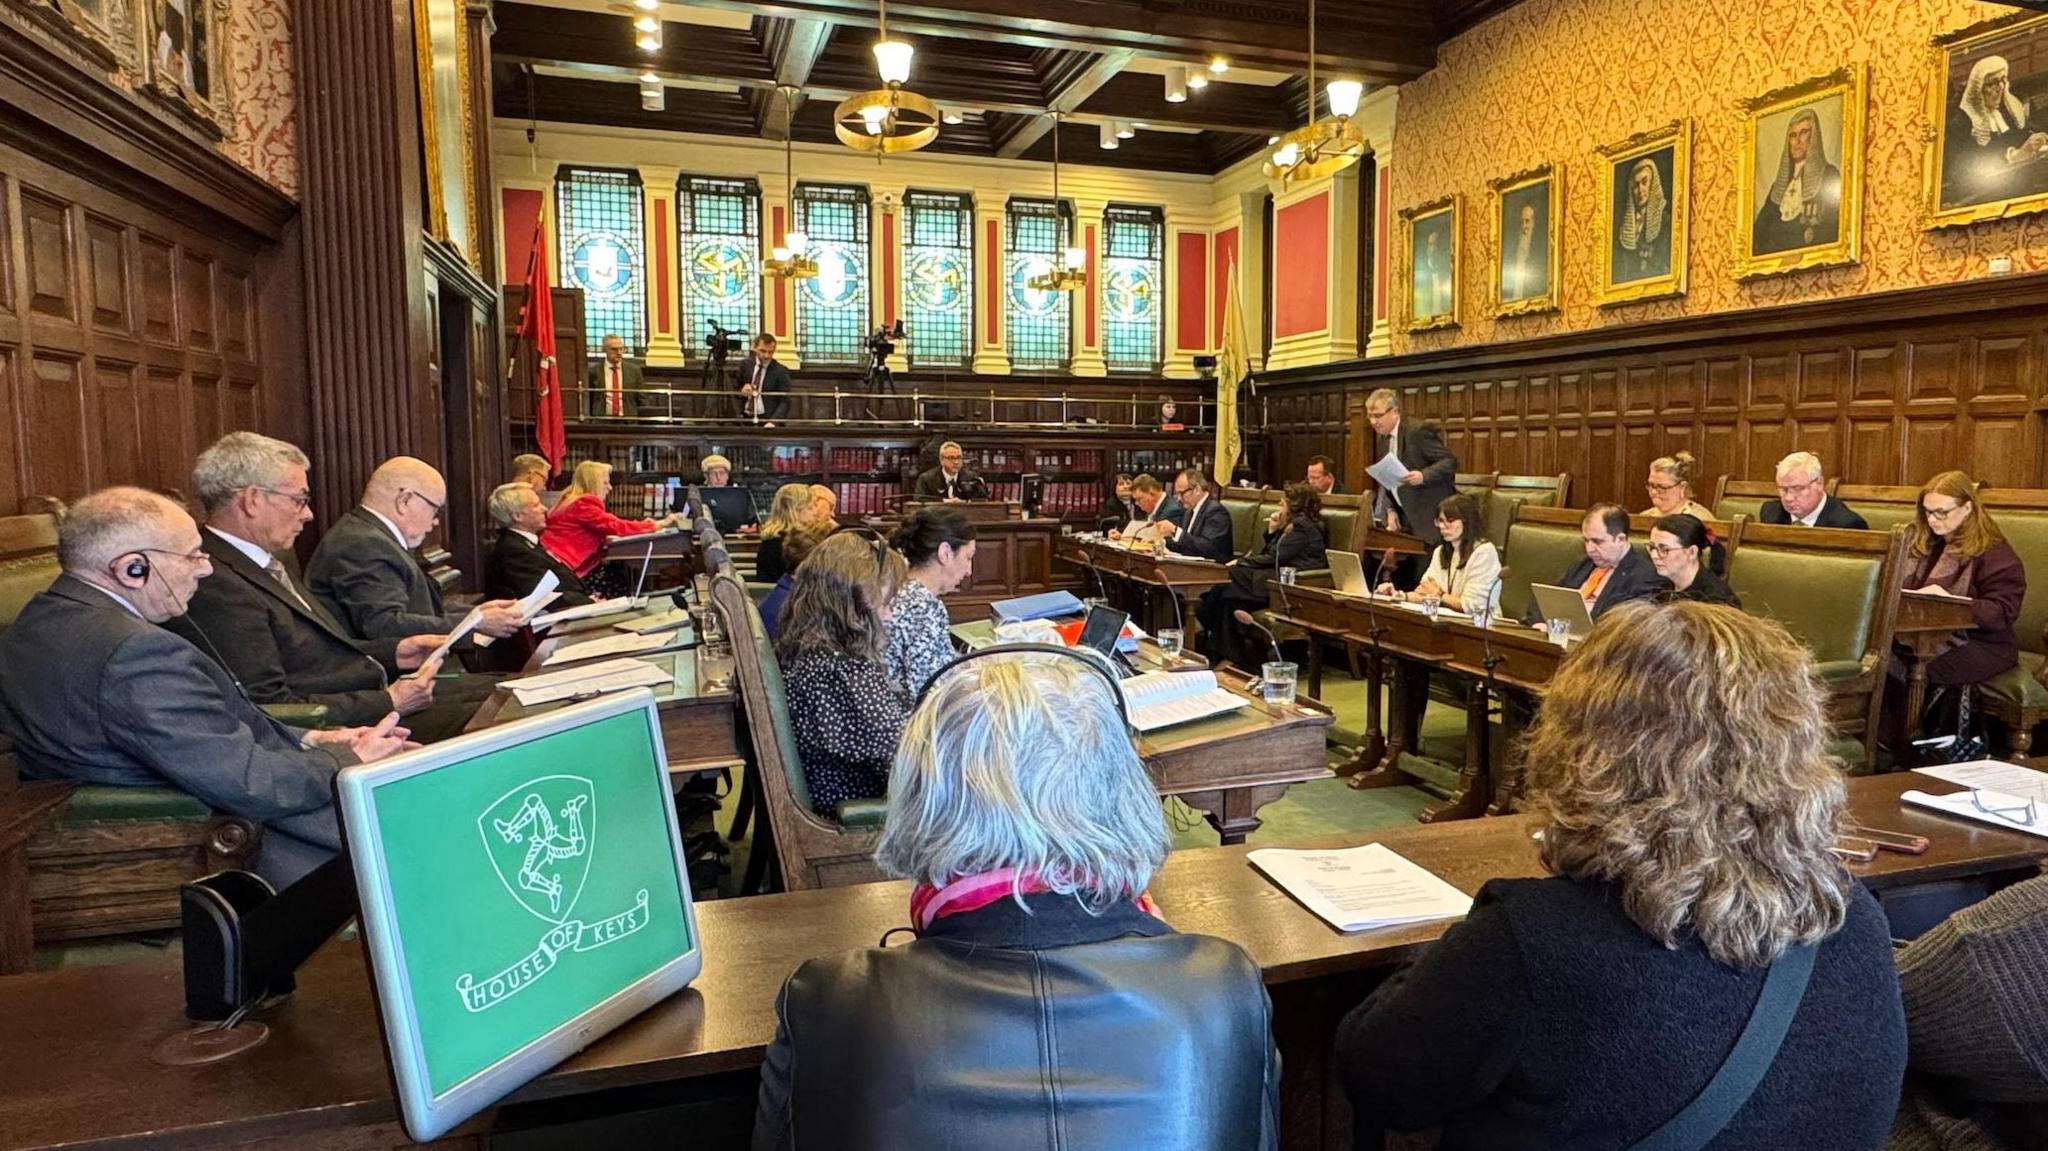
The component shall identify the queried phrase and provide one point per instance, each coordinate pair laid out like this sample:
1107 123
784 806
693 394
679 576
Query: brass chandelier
891 118
1070 268
788 260
1320 147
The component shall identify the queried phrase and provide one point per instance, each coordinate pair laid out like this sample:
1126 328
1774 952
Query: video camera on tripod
881 344
722 341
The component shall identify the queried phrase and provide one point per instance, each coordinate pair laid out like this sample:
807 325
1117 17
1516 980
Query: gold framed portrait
1799 193
1433 270
447 124
1987 122
1525 214
96 27
1645 198
185 56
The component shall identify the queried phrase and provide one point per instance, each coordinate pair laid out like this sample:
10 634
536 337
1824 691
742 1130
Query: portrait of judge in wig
1994 144
1641 245
1801 206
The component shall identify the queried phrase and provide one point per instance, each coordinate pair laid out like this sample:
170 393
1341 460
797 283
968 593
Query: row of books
870 460
864 498
788 460
643 501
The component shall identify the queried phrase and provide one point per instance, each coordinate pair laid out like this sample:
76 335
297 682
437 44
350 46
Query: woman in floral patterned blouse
938 543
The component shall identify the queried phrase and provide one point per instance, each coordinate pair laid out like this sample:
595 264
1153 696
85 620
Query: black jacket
1300 544
931 485
774 387
1706 588
517 565
1548 1019
1423 450
374 585
1635 577
1833 514
1000 1029
1115 513
768 565
1208 534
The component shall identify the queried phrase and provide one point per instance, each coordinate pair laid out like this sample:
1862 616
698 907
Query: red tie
615 403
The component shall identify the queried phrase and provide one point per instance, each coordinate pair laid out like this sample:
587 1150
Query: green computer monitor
524 891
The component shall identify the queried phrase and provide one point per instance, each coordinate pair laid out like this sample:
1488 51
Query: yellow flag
1233 361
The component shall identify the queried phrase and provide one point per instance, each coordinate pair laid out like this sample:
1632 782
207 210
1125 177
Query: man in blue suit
1206 533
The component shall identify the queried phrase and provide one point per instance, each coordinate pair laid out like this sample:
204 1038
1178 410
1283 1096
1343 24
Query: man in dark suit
611 386
1321 475
367 573
92 690
1612 572
518 562
950 480
1803 498
1206 533
1431 466
764 383
1155 510
273 635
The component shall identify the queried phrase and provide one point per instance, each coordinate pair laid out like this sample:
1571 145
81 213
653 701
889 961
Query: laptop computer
730 508
1347 573
1100 630
1566 604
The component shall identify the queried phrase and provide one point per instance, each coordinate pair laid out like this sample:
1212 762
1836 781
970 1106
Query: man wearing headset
92 689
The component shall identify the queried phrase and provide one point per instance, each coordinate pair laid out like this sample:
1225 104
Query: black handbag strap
1710 1111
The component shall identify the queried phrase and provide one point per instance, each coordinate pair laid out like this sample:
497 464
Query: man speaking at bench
92 690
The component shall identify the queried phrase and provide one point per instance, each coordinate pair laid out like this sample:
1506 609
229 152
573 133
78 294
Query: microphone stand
1370 761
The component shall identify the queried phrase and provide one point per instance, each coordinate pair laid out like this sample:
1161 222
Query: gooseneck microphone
1245 619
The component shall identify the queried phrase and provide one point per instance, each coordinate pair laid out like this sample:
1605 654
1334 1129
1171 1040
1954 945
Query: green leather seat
1340 523
1247 524
1535 553
1781 584
1499 508
1731 506
1884 517
101 803
863 812
21 580
2027 532
2018 686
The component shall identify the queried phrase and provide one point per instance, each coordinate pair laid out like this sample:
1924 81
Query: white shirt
117 597
528 536
257 555
1812 517
1472 581
386 521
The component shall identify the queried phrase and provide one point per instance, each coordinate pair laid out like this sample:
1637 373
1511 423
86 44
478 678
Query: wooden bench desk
1183 577
77 1043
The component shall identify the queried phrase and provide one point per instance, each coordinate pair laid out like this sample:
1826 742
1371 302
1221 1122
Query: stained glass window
602 242
1133 288
832 307
938 278
719 239
1041 335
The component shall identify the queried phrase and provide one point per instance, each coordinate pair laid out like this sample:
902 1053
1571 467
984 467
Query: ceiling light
892 60
1075 259
1124 131
653 99
891 118
649 78
786 260
1108 136
1176 84
1321 147
952 116
1070 271
647 33
1344 96
875 116
647 5
647 24
799 242
1218 65
1198 80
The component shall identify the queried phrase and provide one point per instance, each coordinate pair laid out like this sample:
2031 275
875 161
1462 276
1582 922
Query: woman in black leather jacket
1040 991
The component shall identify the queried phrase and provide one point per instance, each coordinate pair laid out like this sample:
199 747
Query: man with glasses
92 689
1612 572
1207 533
1412 506
367 572
1803 498
951 481
271 632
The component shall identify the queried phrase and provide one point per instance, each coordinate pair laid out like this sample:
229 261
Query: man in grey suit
367 574
275 636
612 385
92 690
1431 466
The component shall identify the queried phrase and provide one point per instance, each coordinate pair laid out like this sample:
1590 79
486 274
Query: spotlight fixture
1218 65
1321 147
654 99
952 116
789 260
1109 137
1124 130
647 5
891 118
647 33
649 78
1176 84
1070 269
1198 80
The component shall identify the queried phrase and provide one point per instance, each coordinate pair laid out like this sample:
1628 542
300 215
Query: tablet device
524 891
1347 574
1563 603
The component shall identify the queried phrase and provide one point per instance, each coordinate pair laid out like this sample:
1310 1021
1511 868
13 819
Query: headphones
1087 659
138 568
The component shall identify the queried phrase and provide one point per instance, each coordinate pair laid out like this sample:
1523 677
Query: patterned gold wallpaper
1552 80
265 137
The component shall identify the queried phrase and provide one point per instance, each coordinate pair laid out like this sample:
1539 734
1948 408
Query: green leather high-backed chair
1510 494
2015 697
1247 521
813 851
1884 516
1542 544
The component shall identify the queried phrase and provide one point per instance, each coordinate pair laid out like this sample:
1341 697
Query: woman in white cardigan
1465 567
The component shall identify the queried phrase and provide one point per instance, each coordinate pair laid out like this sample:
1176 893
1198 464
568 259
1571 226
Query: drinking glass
1560 631
1170 640
1093 602
1276 680
1430 604
1483 614
1288 575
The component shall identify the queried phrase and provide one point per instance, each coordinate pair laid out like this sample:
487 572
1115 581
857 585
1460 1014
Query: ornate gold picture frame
184 53
1799 190
1433 272
1644 205
447 124
1525 213
1987 122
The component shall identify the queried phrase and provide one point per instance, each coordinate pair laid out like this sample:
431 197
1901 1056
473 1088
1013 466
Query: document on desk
1993 775
1389 472
628 644
642 537
586 680
1360 888
1984 805
542 595
1159 699
591 610
673 618
468 624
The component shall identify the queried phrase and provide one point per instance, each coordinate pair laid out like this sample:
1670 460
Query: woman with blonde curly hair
1688 805
790 509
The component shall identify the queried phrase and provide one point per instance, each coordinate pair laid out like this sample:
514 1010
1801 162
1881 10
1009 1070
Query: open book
1357 888
1159 699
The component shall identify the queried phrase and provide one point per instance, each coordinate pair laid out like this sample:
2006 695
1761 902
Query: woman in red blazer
578 526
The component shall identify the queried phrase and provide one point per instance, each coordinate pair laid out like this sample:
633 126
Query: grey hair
1023 762
505 502
1387 396
241 460
109 524
1805 462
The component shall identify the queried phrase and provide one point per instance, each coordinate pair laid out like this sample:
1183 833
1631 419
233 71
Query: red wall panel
1301 266
1194 273
1226 255
520 210
661 320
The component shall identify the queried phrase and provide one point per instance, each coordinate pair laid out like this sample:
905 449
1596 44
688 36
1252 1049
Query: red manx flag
537 328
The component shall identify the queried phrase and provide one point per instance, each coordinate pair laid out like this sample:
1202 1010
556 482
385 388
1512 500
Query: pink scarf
930 904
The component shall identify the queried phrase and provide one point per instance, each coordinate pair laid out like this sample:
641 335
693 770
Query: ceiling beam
1071 92
794 46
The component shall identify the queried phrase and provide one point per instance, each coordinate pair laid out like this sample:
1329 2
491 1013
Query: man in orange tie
1612 572
612 385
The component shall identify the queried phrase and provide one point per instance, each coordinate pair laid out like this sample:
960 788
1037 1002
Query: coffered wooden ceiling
1005 64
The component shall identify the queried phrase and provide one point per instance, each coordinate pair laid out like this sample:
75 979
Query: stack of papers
1358 888
590 610
586 680
628 644
673 618
2000 794
1159 699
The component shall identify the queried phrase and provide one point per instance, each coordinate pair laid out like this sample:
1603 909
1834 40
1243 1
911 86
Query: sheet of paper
1993 775
666 621
2006 811
642 537
1933 591
542 595
1187 709
586 680
467 625
590 610
1388 472
1361 887
627 644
